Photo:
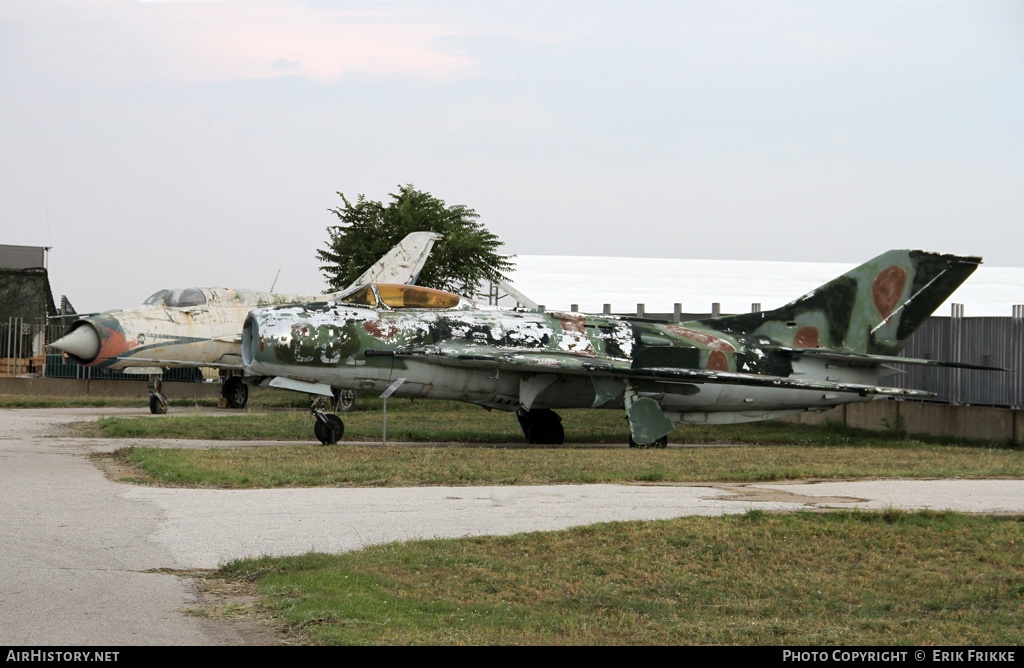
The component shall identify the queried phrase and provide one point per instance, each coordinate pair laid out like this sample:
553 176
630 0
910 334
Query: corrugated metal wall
990 341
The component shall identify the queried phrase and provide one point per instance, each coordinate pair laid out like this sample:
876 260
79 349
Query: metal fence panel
23 353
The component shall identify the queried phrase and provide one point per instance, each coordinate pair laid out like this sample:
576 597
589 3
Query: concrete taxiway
81 556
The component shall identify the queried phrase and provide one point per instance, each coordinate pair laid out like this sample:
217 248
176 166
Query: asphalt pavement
83 560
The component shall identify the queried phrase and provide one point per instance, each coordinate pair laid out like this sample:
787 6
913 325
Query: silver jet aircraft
201 327
827 348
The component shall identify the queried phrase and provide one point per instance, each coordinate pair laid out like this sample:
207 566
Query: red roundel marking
888 288
806 337
717 361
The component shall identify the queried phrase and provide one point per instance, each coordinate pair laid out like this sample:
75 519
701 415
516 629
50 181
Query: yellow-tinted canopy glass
402 296
415 296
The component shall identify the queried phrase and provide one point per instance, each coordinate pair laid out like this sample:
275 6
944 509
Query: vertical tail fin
403 263
871 309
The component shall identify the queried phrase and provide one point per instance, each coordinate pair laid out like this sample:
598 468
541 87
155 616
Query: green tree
460 262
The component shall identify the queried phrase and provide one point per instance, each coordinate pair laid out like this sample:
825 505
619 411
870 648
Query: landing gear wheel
329 432
660 443
157 404
541 426
235 391
157 401
344 400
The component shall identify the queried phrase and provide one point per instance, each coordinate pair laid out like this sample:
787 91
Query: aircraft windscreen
184 297
363 295
156 298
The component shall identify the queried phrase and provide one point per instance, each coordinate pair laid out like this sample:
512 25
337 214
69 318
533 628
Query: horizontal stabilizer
863 359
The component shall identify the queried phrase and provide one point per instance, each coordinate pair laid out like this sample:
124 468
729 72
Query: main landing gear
541 426
344 400
235 391
660 443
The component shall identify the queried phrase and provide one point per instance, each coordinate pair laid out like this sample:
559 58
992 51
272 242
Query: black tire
542 426
157 404
660 443
551 433
329 433
337 427
236 392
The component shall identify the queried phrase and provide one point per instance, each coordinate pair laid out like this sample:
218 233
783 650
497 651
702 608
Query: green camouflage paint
659 371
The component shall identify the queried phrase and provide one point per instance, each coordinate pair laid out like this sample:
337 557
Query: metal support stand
387 393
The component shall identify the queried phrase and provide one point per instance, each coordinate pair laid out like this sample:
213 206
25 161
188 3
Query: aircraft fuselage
470 354
189 335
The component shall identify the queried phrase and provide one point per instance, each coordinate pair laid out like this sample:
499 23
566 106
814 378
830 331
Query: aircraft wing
572 364
403 263
71 315
163 363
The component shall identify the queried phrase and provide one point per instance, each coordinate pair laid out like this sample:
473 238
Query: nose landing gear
328 427
157 401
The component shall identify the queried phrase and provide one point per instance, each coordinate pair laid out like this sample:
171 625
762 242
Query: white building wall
557 282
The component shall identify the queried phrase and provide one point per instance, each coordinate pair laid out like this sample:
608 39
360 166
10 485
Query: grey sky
166 144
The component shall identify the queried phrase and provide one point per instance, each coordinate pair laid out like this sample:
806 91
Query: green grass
770 451
452 421
45 401
419 420
842 578
258 398
838 578
310 466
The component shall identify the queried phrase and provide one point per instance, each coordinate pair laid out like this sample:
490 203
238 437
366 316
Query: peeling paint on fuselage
330 344
750 366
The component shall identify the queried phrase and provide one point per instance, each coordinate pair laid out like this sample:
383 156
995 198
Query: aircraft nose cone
82 343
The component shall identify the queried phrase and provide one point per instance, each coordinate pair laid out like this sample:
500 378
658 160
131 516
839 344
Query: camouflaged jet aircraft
827 348
201 327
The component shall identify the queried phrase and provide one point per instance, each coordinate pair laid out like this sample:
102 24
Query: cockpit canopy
397 296
177 297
